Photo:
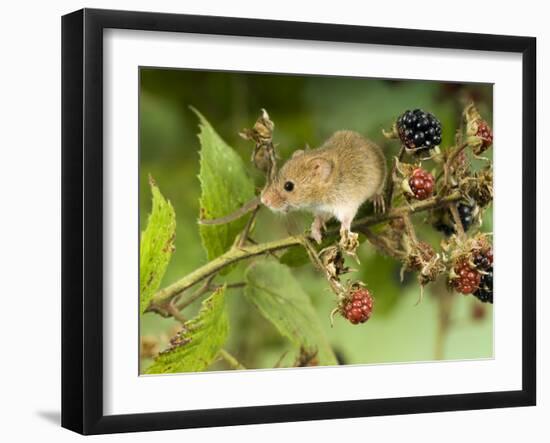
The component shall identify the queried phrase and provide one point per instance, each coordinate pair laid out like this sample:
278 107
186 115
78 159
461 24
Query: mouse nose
264 199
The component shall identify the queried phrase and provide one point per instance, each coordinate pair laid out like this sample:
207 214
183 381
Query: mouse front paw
316 234
317 228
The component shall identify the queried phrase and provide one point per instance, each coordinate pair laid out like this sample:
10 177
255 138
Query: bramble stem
388 197
233 255
196 295
381 243
165 295
458 221
410 228
449 163
230 360
243 237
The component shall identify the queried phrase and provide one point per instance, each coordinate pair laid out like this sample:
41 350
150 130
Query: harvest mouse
331 181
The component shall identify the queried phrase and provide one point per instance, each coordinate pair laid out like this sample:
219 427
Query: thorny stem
206 287
314 257
410 228
165 295
212 267
230 360
243 237
381 243
458 221
175 312
449 163
280 360
388 197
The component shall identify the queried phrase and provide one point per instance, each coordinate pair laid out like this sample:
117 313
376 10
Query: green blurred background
306 110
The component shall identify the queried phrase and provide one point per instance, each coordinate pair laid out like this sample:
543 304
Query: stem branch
230 360
165 295
388 197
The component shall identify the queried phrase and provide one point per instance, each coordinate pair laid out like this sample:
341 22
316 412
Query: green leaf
196 346
225 187
156 246
294 257
281 300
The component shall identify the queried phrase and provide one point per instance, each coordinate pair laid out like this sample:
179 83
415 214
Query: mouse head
300 184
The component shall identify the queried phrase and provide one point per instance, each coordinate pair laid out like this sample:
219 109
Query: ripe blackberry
419 130
444 221
485 132
483 259
358 307
485 291
467 278
421 183
467 214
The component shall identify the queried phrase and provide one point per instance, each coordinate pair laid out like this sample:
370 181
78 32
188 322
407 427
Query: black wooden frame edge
82 215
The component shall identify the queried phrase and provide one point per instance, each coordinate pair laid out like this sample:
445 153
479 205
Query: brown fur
345 171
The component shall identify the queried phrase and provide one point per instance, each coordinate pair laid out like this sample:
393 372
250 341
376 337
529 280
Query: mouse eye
289 186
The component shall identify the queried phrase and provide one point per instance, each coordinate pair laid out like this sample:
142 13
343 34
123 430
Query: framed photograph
269 221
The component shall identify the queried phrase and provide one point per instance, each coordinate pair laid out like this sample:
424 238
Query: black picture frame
82 220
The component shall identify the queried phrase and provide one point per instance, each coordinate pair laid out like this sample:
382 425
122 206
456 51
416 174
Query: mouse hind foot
379 204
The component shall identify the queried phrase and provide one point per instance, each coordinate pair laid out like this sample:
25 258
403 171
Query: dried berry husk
480 187
422 258
478 131
333 261
262 132
263 155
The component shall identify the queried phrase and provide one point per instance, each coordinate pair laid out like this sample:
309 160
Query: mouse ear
321 167
297 153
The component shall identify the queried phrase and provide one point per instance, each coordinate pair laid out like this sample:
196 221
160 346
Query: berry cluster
357 308
421 184
483 259
485 290
468 278
419 130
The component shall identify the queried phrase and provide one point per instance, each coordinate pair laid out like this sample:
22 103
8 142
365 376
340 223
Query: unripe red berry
467 279
483 259
484 131
422 184
358 307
